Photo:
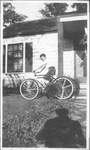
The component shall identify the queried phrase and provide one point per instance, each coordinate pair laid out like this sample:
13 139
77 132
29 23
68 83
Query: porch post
60 47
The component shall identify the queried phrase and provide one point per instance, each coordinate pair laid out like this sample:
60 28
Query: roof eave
29 34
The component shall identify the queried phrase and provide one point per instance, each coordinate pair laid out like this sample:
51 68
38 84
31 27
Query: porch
73 28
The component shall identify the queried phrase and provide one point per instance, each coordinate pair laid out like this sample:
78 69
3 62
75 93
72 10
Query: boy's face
43 58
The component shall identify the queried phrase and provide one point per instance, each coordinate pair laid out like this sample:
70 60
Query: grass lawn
30 116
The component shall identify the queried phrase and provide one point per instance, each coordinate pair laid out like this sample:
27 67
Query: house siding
45 43
68 58
68 67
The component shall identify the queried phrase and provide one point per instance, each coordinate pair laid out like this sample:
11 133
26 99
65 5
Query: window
28 57
15 58
4 55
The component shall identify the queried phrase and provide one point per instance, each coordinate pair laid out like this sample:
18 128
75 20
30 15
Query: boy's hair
43 55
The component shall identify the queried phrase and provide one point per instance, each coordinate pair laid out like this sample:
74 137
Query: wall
68 58
45 43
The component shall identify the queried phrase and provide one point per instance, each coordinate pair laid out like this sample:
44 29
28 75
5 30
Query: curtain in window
15 58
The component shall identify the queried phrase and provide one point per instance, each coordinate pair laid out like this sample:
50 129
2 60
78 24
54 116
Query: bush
51 90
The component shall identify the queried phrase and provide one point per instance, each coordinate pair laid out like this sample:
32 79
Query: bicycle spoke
25 86
33 89
30 93
64 83
66 93
62 94
67 86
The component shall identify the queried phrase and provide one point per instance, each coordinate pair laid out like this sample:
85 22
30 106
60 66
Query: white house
59 38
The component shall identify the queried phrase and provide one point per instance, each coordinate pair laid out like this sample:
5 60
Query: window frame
14 72
23 57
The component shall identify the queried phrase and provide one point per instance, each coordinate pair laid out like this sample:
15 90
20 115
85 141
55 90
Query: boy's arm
40 69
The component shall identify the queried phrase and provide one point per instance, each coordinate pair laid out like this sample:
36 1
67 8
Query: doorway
80 58
75 30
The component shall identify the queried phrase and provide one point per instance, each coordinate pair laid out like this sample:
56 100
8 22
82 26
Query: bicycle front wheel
29 89
65 86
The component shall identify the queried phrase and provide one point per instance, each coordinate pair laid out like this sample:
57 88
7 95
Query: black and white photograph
44 74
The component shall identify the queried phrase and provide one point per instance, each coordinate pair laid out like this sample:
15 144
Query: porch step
83 89
82 92
83 86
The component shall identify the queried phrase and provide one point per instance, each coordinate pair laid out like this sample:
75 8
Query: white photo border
88 66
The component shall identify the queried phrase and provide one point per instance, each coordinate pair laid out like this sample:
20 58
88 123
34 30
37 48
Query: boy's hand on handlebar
34 71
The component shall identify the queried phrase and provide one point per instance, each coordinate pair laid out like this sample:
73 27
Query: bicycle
30 88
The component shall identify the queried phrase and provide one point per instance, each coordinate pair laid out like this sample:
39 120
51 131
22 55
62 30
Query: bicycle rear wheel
65 86
29 89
